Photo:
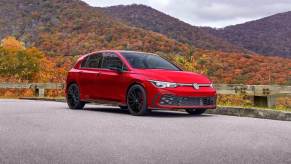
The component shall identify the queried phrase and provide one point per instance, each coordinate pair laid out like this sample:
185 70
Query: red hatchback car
138 81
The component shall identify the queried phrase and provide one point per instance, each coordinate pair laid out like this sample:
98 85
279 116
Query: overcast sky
214 13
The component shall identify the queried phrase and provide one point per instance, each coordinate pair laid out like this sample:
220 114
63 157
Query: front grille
187 101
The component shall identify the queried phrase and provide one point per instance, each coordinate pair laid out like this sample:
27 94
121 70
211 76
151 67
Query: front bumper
182 98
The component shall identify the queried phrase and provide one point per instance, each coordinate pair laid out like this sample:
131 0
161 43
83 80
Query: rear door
89 75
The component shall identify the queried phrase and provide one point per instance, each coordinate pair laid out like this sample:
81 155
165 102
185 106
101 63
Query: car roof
119 51
126 51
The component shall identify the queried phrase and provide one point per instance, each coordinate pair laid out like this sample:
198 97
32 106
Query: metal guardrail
263 95
39 88
256 90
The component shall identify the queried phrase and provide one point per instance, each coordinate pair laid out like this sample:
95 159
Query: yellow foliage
11 43
234 100
283 103
184 63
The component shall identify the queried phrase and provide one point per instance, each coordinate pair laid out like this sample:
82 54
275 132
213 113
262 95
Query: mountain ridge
145 17
269 36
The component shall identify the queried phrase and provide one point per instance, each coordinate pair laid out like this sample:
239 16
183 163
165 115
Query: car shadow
154 113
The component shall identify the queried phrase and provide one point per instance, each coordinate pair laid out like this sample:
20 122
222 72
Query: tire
195 111
73 97
136 100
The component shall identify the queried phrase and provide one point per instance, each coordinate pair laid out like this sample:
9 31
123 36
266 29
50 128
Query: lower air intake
187 101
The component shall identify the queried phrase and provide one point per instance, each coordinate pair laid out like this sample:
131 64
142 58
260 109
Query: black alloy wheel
136 100
73 97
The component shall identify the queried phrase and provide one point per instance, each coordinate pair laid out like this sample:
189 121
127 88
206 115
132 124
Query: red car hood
174 76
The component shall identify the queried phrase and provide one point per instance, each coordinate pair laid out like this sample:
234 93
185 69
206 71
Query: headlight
211 85
162 84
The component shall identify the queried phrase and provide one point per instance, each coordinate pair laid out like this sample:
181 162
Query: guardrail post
271 101
39 92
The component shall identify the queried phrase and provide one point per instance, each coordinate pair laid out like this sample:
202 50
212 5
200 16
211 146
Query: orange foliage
12 43
243 69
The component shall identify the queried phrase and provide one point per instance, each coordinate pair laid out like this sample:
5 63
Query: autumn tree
17 62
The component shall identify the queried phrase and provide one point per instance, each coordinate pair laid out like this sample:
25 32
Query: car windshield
140 60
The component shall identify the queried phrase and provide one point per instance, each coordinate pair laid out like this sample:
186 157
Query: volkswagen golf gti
138 81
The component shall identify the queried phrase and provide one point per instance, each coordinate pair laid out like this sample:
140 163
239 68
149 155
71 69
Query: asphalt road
47 132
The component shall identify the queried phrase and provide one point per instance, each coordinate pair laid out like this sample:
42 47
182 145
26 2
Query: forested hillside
154 20
268 36
48 33
71 27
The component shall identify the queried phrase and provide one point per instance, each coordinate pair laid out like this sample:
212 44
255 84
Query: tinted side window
111 60
94 61
83 64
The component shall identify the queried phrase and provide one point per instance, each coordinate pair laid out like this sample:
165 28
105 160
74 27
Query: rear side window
92 61
111 60
83 64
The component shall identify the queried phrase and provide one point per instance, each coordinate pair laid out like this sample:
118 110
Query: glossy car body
95 82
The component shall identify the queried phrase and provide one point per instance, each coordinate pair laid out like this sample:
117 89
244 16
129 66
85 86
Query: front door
111 80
